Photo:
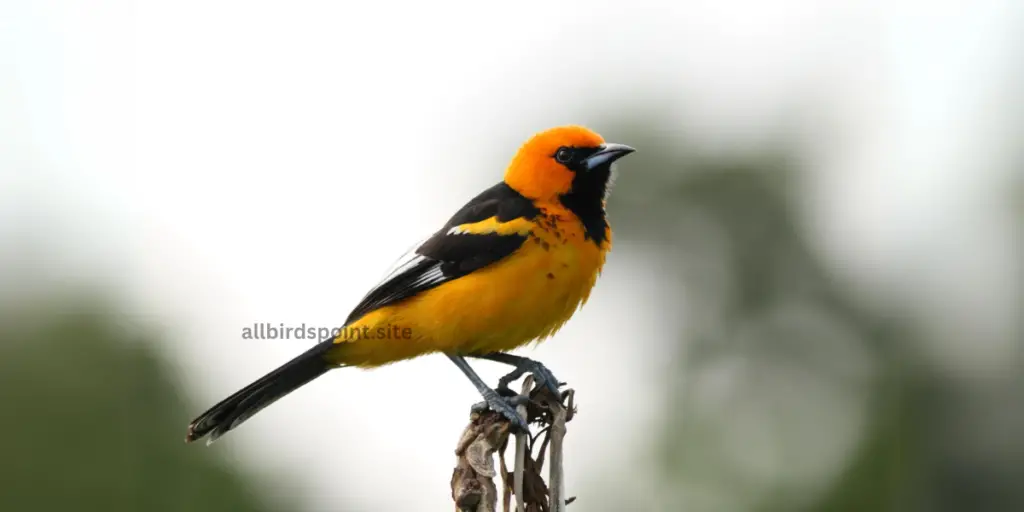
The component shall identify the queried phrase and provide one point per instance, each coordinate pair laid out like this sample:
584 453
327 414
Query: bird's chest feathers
566 262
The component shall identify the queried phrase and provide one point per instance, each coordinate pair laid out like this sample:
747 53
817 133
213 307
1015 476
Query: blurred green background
798 369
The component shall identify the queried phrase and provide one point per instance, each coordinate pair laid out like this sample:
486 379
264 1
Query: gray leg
523 365
491 398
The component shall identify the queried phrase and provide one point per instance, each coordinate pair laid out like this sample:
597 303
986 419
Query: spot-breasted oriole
508 268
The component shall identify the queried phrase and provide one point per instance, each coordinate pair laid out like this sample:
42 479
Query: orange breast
524 297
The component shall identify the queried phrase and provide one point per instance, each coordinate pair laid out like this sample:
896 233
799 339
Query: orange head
563 161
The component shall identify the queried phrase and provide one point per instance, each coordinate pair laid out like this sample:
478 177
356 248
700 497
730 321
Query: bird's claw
542 376
547 379
506 406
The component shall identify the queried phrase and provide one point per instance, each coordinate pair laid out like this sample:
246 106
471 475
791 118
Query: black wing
446 255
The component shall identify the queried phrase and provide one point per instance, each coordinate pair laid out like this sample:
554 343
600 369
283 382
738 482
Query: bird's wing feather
488 228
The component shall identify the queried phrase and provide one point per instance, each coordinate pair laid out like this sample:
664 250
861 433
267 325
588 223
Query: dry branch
520 469
472 484
473 479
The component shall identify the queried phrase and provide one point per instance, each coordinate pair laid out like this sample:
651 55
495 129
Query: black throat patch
586 200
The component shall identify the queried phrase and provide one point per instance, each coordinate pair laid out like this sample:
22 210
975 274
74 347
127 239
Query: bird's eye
563 155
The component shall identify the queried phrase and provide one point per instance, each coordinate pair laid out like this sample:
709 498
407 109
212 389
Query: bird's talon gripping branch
524 365
505 391
506 406
548 380
518 400
514 401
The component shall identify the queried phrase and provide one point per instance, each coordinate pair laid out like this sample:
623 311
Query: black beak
606 154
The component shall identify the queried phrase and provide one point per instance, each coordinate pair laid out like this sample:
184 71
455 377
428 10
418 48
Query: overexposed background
219 163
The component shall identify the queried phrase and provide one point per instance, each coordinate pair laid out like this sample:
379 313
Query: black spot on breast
550 275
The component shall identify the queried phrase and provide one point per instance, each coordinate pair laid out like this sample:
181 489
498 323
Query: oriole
508 268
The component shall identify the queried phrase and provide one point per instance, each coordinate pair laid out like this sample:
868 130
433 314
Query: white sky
237 162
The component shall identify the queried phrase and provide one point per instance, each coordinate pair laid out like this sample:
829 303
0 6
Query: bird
508 268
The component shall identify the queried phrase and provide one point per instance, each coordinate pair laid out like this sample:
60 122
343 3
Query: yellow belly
524 297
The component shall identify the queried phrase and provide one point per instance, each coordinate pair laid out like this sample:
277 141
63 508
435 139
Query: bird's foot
506 406
541 375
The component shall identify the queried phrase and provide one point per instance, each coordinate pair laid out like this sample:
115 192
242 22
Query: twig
472 482
506 500
556 475
520 469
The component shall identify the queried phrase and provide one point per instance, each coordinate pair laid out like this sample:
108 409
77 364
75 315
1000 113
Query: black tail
235 409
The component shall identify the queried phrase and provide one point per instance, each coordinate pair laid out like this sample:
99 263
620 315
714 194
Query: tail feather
235 409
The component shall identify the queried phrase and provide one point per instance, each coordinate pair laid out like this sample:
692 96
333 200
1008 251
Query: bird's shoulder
500 201
488 228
